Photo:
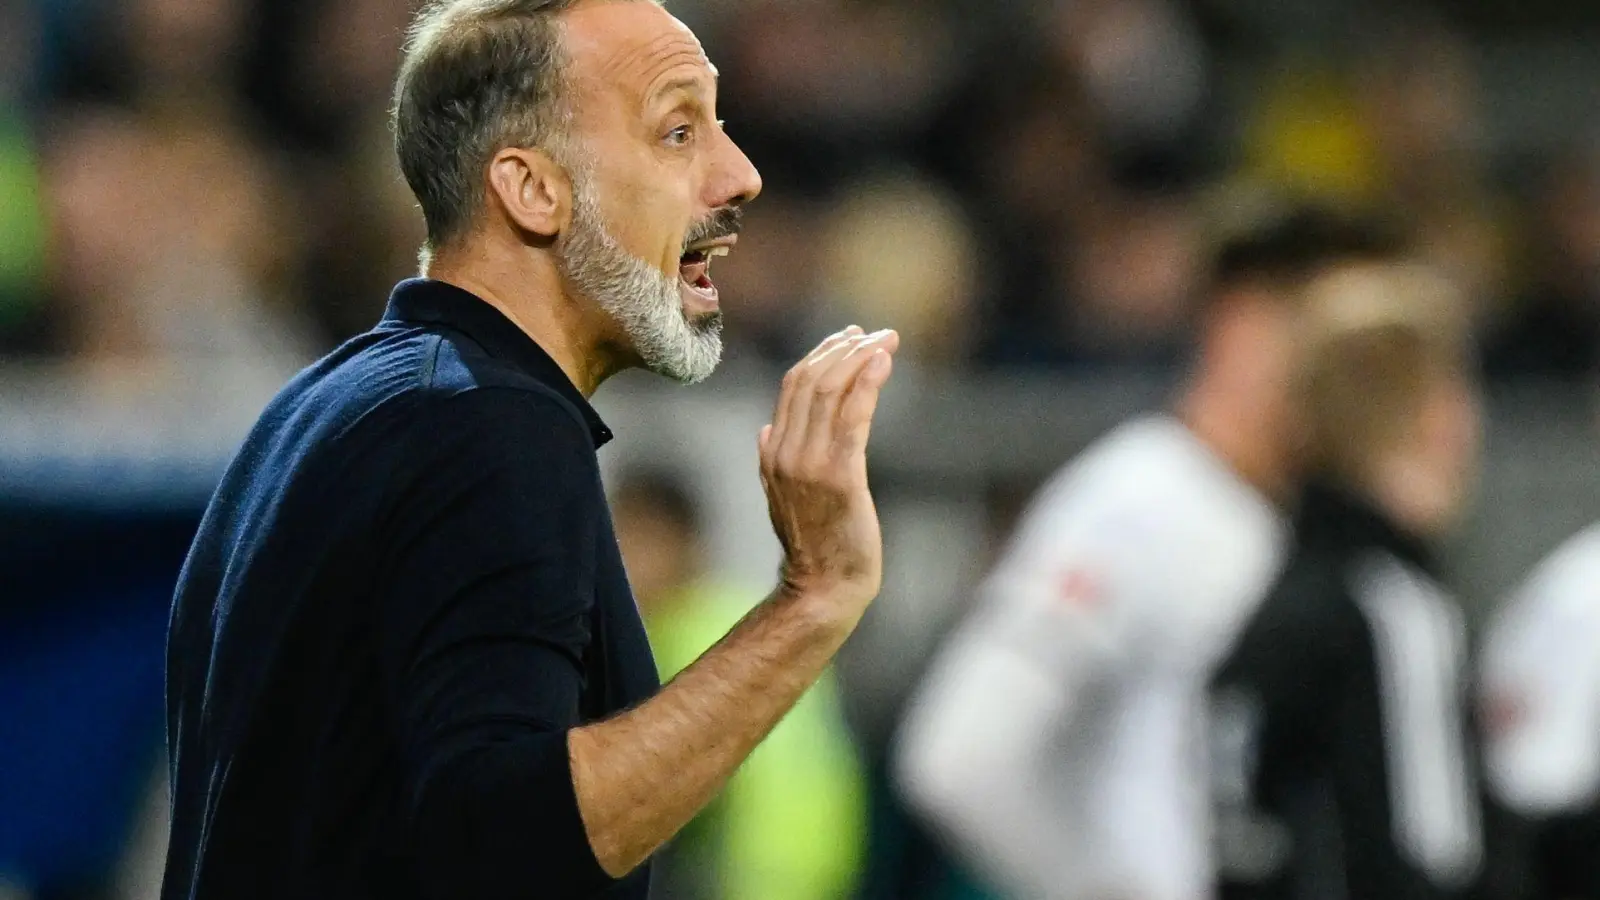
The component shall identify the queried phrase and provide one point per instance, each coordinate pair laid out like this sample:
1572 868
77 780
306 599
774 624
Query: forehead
632 46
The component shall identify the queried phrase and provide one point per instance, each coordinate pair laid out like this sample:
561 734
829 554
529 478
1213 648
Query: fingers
791 442
794 380
818 412
795 400
855 414
844 367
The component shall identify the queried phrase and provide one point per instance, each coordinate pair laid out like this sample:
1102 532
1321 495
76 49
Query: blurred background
197 197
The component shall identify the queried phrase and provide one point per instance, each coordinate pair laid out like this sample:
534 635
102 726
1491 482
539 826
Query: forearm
975 758
641 776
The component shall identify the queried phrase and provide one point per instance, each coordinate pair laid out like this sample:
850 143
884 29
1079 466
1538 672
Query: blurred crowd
1013 184
1029 183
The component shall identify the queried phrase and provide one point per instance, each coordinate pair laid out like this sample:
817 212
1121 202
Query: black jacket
1341 747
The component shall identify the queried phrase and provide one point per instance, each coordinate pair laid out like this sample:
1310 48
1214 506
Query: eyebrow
686 83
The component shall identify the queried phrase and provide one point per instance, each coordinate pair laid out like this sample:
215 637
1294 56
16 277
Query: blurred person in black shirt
1341 754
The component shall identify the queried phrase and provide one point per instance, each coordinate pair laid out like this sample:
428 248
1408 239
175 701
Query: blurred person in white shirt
1057 742
1541 684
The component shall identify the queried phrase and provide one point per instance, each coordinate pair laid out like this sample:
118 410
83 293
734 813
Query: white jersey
1541 677
1057 741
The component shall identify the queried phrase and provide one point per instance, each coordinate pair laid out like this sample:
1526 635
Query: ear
534 191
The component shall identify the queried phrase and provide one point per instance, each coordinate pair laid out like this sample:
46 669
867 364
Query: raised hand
814 469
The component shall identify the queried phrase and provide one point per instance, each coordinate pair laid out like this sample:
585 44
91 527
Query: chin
689 354
703 322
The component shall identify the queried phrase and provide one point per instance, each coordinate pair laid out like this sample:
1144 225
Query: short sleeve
483 614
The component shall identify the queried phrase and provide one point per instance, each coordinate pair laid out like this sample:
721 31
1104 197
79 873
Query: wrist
828 609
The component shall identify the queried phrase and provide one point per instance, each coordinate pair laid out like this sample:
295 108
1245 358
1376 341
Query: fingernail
882 333
853 329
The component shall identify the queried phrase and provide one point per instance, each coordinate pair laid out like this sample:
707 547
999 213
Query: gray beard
646 304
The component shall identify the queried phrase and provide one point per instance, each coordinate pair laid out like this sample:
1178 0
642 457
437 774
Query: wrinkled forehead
634 49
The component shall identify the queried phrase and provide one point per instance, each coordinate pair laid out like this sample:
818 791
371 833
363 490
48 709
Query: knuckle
784 465
797 464
829 387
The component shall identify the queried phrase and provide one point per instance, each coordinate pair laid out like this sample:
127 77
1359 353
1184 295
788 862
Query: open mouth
694 267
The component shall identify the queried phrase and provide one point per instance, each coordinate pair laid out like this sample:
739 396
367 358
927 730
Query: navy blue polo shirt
404 593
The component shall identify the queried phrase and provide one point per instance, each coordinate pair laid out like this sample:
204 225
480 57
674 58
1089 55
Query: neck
1412 495
527 288
1238 436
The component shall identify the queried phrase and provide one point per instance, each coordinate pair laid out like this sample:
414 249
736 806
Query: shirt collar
435 302
1330 513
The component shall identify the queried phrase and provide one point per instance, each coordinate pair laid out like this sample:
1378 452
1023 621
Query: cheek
1471 434
654 209
1456 427
1277 361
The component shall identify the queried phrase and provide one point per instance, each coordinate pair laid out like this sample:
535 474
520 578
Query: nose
734 179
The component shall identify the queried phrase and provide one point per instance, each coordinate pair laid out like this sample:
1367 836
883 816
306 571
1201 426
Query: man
790 824
1541 686
1342 754
1054 743
404 659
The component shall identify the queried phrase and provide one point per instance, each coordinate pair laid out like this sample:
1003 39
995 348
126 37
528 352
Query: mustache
725 222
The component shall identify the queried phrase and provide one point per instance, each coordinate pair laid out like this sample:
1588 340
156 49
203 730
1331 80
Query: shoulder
1566 581
500 441
463 421
422 386
1100 540
1113 478
1156 465
1150 486
1555 614
1579 555
404 376
506 471
459 378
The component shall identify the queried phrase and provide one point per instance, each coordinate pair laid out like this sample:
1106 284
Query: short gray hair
477 76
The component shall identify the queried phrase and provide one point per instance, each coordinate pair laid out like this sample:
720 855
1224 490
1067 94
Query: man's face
657 183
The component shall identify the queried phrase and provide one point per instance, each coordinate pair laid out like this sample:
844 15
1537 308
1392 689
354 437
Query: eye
680 136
